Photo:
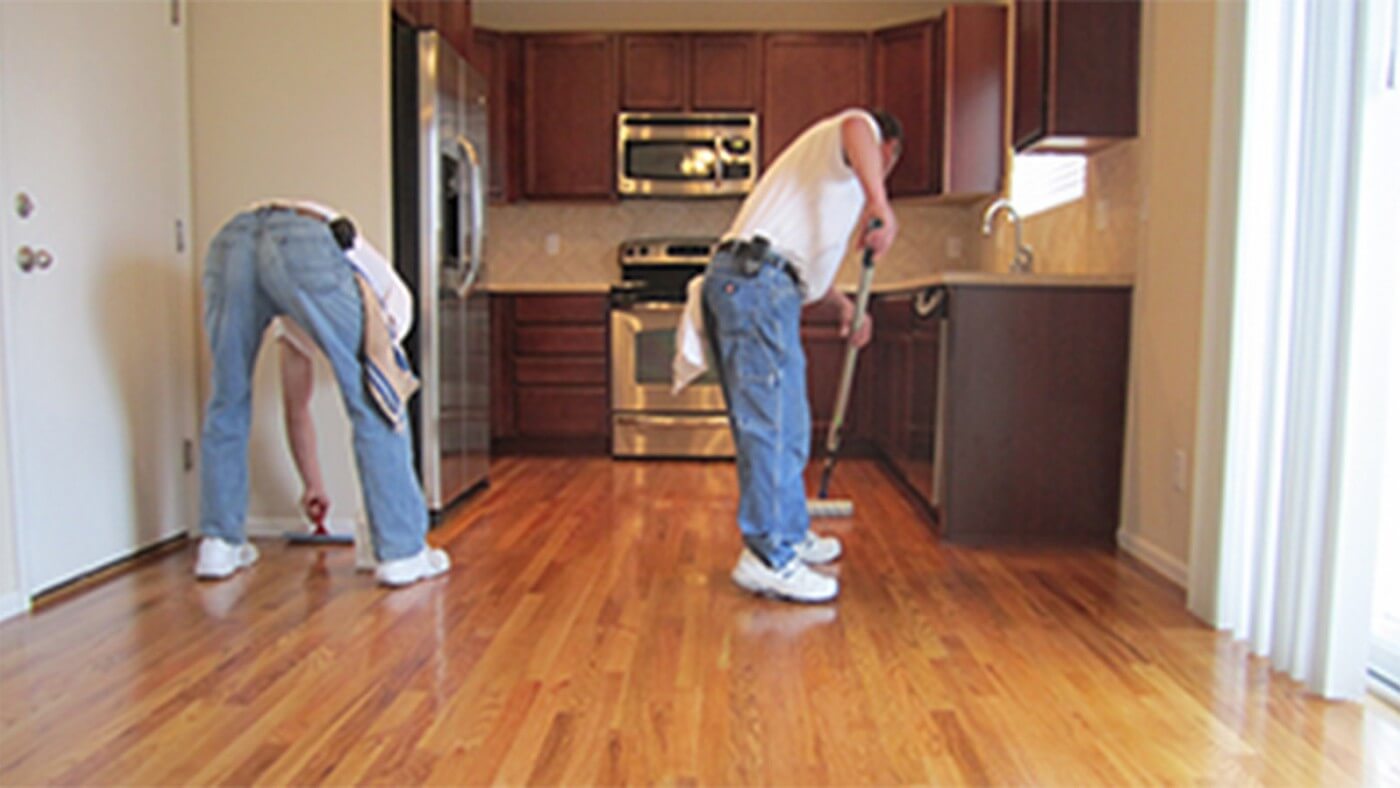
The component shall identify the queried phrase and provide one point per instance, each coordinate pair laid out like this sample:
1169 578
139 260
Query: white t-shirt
807 203
394 297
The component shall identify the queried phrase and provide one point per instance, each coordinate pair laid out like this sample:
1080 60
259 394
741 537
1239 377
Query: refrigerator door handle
478 211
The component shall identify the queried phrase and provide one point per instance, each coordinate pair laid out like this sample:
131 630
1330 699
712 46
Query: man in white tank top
783 251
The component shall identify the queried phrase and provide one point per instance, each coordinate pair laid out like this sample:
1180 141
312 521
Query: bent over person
299 262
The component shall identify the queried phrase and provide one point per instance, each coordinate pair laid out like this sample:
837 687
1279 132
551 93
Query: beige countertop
990 279
943 278
526 288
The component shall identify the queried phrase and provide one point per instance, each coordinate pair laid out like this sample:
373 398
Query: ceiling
563 15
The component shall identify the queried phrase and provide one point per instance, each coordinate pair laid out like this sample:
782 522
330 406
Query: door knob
31 259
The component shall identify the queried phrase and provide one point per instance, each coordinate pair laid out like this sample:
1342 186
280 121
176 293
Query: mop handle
848 369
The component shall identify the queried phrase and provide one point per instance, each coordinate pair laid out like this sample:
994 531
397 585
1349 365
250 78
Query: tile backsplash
576 243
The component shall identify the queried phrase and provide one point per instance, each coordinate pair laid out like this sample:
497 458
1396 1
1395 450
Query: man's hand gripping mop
822 506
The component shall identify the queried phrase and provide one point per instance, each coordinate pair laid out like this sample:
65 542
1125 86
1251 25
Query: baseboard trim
13 604
1164 563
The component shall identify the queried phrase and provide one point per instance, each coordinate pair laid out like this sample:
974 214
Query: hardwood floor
588 633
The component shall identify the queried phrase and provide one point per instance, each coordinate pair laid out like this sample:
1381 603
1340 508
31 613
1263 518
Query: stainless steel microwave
672 154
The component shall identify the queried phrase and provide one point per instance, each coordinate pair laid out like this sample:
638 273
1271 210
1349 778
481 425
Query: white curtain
1293 561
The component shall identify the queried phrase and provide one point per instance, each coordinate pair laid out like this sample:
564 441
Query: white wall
1178 76
291 99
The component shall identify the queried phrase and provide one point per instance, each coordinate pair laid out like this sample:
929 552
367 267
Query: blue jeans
272 262
754 327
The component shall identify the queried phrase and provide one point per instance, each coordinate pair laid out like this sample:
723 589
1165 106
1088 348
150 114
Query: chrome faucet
1024 257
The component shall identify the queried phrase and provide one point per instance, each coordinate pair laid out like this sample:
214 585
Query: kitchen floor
588 633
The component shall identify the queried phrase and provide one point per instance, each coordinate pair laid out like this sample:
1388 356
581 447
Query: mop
821 506
318 535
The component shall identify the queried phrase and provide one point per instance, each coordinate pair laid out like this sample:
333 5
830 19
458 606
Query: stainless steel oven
672 154
649 420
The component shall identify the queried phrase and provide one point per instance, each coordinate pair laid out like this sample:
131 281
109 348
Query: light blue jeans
754 327
271 262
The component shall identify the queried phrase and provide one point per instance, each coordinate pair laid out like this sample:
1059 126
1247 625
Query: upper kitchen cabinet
725 72
807 76
498 57
908 66
570 98
451 18
945 79
1076 77
654 72
677 72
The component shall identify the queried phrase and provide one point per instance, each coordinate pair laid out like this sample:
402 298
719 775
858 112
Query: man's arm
297 384
862 149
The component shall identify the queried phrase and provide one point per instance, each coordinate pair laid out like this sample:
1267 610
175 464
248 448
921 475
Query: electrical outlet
1179 470
551 244
953 248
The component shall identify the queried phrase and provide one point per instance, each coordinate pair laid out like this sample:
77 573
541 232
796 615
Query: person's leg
795 448
749 340
308 277
236 312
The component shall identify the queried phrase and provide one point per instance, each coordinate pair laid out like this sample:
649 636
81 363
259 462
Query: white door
98 345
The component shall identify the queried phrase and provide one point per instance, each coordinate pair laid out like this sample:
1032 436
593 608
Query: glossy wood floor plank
589 634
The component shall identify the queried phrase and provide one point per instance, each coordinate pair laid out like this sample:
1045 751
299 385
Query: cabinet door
1028 122
499 59
653 72
807 77
724 72
570 91
975 148
904 87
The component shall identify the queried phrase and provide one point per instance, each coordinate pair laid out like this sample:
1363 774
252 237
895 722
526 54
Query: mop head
312 537
836 507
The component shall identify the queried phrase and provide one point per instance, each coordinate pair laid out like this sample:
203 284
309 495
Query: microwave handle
471 187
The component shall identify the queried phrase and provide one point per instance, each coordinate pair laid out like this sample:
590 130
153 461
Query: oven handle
673 421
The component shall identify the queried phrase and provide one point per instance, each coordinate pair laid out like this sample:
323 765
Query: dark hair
890 128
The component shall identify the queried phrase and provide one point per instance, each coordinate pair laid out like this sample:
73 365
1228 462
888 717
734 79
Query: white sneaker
219 559
794 582
430 562
815 549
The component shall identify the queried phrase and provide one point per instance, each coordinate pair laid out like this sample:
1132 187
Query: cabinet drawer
586 309
561 411
560 341
557 370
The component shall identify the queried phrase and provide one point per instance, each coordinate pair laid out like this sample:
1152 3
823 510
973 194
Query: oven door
643 344
648 420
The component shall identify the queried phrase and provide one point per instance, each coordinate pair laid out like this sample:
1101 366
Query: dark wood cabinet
654 72
807 76
451 18
1076 73
725 72
498 58
1035 409
908 77
549 373
973 104
904 390
570 99
945 79
700 72
825 350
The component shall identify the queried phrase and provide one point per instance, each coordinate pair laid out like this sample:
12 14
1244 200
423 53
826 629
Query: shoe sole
763 591
425 576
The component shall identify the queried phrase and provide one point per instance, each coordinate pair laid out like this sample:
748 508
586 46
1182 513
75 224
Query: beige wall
700 14
1177 83
291 99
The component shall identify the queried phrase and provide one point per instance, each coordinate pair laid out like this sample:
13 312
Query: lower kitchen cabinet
1036 398
549 374
904 392
825 349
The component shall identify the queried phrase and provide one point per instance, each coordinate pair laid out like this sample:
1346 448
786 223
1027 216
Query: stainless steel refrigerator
440 182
